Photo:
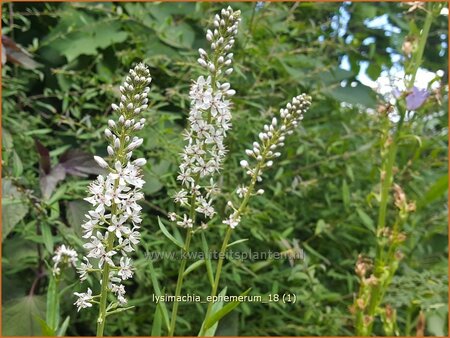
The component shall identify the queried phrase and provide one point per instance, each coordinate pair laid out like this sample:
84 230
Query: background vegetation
320 195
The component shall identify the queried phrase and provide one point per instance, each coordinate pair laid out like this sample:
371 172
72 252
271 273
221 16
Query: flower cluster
64 255
116 214
209 120
265 150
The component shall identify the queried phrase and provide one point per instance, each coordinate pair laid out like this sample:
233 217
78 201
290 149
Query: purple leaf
416 98
49 181
16 54
73 162
79 163
44 157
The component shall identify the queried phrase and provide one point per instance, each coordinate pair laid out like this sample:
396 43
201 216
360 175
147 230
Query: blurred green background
56 97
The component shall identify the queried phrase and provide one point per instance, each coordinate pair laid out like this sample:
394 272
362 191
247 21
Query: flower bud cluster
116 215
266 149
209 121
65 256
222 39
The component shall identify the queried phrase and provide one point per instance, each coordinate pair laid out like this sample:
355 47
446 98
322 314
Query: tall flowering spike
209 119
266 149
111 227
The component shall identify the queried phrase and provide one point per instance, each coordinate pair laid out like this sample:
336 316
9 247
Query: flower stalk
112 226
264 152
210 120
373 288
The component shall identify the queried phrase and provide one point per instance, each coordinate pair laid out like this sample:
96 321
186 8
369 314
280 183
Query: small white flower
84 299
95 246
241 191
125 271
180 197
233 221
117 226
172 216
205 208
84 268
106 257
186 222
134 237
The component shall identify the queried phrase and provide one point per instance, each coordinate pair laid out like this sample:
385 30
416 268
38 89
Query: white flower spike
111 226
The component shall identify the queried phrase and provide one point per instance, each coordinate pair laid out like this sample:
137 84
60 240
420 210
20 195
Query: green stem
217 276
378 291
421 46
179 283
228 236
182 268
104 292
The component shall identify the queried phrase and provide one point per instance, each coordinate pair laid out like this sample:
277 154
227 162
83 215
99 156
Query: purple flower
416 98
259 6
397 93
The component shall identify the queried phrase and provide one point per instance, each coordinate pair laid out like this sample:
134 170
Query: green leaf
152 185
14 207
213 319
335 75
209 269
367 221
193 266
75 214
17 165
179 36
164 312
215 307
157 322
85 38
374 69
47 236
345 194
437 322
169 236
62 330
315 253
436 191
237 242
359 95
46 330
7 140
320 227
22 316
152 182
52 313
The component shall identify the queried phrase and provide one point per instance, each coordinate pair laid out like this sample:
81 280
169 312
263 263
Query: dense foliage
320 197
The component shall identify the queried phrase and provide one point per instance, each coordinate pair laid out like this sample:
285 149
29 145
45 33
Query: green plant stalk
386 185
187 242
104 292
179 283
421 46
378 291
217 276
228 236
182 268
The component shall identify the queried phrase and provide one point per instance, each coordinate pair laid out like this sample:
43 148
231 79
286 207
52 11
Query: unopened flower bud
101 162
140 162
